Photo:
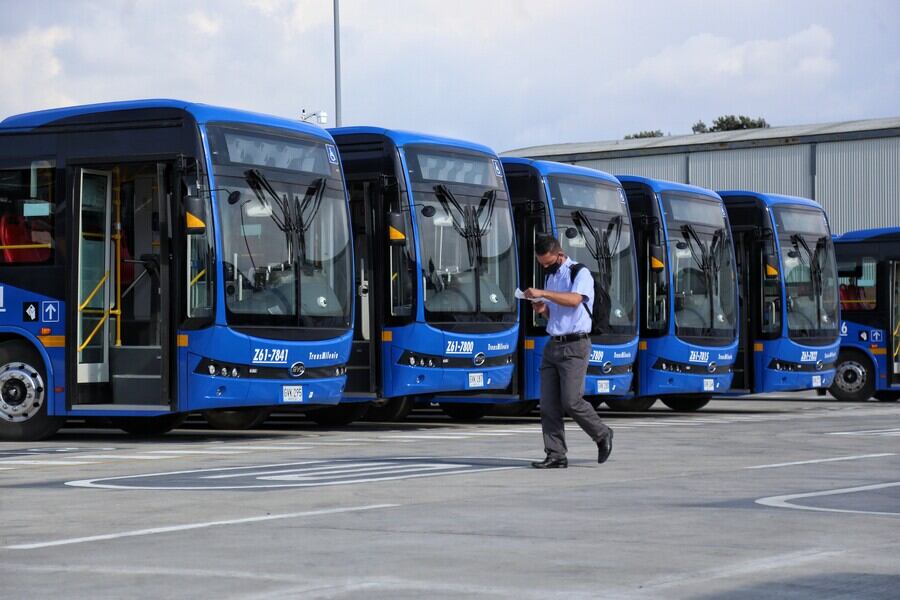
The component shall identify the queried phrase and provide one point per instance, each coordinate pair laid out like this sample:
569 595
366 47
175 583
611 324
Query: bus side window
201 266
26 214
402 263
856 279
770 321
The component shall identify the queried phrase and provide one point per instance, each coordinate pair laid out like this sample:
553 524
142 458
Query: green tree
644 134
730 123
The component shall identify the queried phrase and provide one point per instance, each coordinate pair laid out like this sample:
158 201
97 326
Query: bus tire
237 419
854 377
339 415
465 411
23 394
637 404
686 404
516 409
149 426
886 396
395 409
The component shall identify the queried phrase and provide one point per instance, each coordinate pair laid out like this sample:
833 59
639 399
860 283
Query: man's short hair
546 244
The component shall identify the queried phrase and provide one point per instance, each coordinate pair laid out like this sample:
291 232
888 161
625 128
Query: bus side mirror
657 258
396 229
194 215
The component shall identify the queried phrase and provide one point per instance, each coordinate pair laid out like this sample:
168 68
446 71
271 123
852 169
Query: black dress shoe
604 448
551 463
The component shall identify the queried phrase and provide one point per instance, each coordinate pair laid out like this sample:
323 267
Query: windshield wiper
259 184
488 202
447 199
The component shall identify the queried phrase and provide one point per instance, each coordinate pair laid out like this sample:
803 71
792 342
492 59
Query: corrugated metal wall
672 167
777 169
858 183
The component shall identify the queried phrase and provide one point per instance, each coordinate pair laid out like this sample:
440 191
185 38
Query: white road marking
821 460
396 469
189 451
49 462
272 447
327 468
786 500
874 432
190 526
125 456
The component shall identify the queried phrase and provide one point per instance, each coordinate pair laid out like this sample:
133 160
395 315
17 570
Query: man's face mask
553 267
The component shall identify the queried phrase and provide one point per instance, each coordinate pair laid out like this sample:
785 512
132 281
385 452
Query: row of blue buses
161 257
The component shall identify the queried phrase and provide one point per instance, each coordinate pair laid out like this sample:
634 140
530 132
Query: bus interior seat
16 232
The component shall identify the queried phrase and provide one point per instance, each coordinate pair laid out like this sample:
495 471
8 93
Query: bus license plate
709 385
817 381
292 393
603 386
476 380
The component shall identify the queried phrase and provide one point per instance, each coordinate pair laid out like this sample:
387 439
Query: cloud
705 62
204 23
31 69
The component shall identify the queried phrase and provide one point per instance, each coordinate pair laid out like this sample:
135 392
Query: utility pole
337 64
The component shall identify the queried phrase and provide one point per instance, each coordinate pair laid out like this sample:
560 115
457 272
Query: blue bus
436 273
789 298
586 210
161 257
688 295
868 269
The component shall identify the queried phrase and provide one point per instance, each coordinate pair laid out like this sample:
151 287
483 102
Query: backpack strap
573 274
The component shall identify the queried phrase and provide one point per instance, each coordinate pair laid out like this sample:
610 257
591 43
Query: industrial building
851 168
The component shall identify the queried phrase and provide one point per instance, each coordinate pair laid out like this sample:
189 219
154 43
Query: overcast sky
508 73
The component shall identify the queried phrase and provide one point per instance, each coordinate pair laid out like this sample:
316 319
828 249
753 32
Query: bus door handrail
87 301
94 332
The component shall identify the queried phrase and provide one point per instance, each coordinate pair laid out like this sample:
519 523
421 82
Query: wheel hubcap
851 377
21 392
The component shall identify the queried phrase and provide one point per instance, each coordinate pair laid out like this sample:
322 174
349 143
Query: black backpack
600 315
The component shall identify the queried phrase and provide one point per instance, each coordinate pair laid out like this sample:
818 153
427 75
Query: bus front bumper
785 381
209 392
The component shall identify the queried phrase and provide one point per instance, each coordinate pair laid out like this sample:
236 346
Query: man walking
567 303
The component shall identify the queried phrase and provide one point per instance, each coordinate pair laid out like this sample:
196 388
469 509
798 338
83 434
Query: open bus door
121 313
894 324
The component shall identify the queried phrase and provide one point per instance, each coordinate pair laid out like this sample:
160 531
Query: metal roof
661 185
549 167
203 113
404 138
793 134
866 235
769 199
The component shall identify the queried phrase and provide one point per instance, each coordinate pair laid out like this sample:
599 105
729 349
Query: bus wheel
237 418
854 380
465 411
23 395
516 409
887 396
686 404
638 404
395 409
340 415
149 426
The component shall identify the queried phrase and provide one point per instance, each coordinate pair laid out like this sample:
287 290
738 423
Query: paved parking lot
751 499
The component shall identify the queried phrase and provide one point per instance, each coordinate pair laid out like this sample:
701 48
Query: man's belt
569 337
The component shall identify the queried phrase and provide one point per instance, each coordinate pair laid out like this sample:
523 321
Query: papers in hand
521 296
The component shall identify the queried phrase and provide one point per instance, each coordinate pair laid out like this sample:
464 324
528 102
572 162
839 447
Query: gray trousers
563 370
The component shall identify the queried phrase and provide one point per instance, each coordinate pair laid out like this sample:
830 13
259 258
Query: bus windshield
703 268
809 271
597 234
465 236
285 228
